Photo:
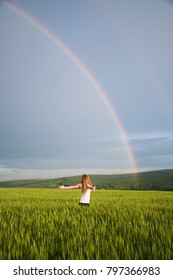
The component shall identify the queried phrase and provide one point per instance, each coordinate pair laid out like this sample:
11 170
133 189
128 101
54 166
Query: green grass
49 224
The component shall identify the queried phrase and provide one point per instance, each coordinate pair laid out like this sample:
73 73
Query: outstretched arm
70 187
91 187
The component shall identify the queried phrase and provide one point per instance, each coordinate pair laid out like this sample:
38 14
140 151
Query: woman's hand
61 187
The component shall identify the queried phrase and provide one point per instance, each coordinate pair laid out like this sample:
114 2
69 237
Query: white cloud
8 174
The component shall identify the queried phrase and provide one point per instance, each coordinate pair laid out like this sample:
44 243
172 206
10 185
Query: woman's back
85 196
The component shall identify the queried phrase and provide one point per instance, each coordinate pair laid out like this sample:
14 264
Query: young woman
85 186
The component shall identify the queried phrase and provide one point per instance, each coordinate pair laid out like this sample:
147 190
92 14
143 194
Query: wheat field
48 224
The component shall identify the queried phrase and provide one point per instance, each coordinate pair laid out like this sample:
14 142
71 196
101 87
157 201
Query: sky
85 87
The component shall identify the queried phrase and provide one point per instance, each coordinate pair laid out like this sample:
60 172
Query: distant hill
151 180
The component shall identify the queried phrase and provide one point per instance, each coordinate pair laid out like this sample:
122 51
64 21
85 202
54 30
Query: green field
49 224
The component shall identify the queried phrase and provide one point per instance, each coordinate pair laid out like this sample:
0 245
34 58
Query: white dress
85 197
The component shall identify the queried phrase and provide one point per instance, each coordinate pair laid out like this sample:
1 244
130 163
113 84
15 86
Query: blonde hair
85 181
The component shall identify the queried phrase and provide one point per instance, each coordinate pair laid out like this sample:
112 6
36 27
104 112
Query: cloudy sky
85 86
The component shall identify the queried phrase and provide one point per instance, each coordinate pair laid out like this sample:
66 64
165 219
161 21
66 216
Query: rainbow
86 72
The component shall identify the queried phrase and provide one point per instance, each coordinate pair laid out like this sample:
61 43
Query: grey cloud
154 152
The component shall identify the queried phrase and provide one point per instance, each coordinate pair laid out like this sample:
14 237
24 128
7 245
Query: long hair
85 180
